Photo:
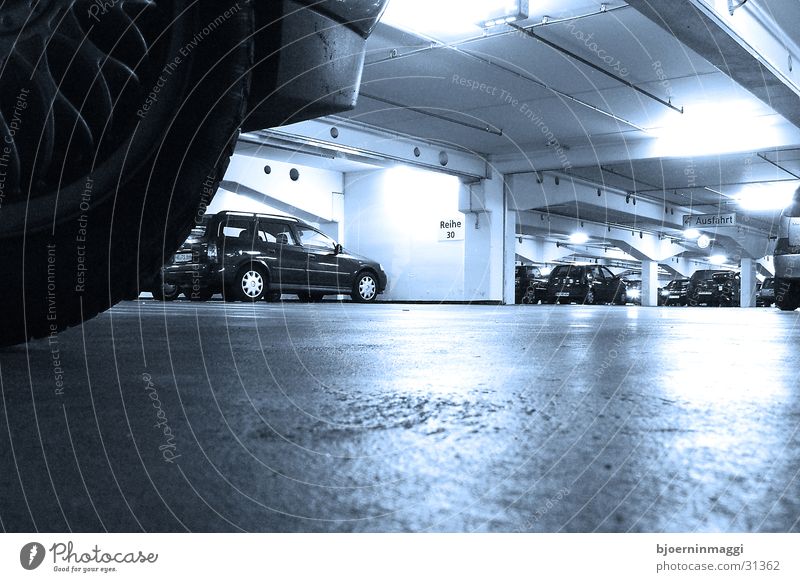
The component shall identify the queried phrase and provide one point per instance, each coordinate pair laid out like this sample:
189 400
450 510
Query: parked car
674 293
529 284
249 257
727 287
123 116
787 257
585 284
702 289
765 296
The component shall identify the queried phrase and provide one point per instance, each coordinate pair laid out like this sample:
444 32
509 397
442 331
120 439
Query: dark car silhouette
588 284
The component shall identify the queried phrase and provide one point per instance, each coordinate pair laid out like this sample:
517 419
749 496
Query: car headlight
634 293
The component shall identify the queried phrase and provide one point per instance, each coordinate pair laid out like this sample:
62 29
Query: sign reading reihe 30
708 220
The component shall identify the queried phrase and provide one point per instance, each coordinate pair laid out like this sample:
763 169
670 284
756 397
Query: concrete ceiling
526 106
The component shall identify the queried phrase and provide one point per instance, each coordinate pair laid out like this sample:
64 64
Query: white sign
451 229
708 220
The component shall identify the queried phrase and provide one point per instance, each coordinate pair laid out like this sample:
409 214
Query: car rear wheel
251 284
365 288
119 119
787 295
166 292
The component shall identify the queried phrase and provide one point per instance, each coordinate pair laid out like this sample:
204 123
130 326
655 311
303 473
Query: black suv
249 257
713 287
674 293
585 284
727 287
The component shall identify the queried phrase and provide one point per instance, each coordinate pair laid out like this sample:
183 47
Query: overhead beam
743 46
540 191
344 139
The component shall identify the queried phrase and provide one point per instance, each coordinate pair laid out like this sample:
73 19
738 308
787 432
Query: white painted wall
317 192
393 217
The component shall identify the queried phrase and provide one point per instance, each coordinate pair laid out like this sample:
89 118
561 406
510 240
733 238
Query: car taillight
212 251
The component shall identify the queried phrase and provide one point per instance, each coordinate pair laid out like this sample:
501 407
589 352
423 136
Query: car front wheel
365 288
251 284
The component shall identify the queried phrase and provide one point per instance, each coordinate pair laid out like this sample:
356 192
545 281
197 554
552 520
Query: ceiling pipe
591 65
549 22
485 128
777 165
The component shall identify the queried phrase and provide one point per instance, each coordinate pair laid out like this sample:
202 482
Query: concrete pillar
748 283
489 244
649 283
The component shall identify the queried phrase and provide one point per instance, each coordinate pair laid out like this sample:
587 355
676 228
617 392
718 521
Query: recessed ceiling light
446 18
717 259
691 233
703 241
766 197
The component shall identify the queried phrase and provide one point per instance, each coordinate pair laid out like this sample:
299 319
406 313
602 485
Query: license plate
562 294
674 296
183 258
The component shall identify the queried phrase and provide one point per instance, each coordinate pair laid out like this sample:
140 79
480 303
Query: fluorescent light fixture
545 271
703 241
446 19
717 128
766 197
691 233
505 12
717 259
578 238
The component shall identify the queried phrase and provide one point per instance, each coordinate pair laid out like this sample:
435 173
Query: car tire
251 284
166 292
111 175
365 287
787 294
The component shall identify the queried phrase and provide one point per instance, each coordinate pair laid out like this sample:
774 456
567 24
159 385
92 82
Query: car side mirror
337 249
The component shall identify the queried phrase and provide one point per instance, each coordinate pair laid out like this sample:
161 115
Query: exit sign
451 229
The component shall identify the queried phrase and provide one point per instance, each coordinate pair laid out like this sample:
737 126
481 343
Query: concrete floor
343 417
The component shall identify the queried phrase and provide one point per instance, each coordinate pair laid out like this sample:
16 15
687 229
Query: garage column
649 283
748 283
488 242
